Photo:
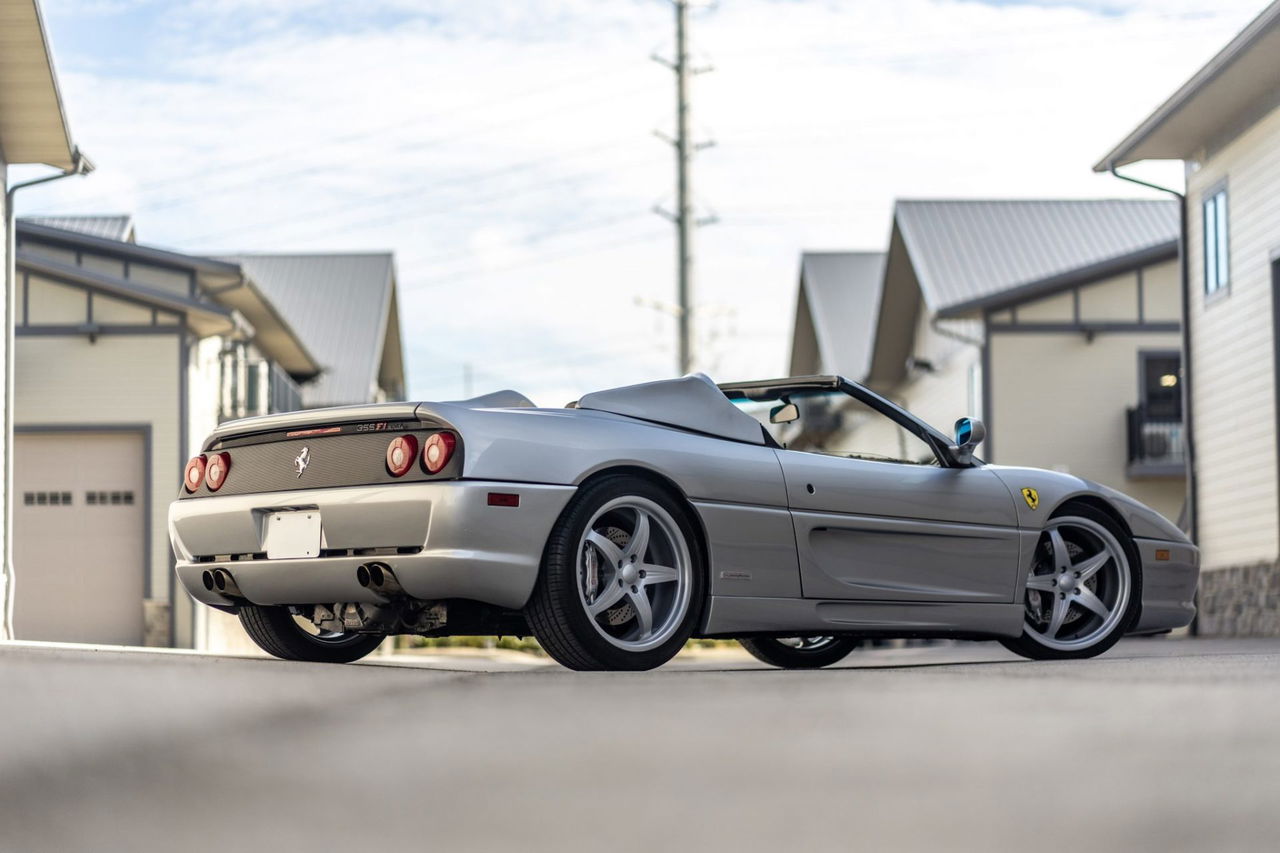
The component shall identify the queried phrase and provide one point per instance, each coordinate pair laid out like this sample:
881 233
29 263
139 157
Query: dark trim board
1073 278
145 430
1083 328
77 241
1142 296
988 451
94 329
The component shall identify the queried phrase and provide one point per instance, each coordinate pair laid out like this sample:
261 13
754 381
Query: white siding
1233 354
161 278
50 303
56 254
1114 300
1060 403
1162 293
941 397
4 367
121 379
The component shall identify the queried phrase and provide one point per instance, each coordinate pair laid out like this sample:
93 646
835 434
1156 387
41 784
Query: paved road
1160 745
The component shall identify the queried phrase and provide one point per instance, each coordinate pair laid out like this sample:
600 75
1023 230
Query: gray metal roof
837 304
108 227
967 254
341 306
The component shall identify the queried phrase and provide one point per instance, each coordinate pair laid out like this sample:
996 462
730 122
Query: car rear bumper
1170 574
442 540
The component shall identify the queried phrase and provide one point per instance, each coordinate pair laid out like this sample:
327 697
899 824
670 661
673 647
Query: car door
888 531
881 509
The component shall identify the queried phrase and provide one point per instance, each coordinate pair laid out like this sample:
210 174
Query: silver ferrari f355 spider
800 516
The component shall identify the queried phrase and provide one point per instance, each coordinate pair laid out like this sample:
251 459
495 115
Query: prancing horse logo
1032 497
302 461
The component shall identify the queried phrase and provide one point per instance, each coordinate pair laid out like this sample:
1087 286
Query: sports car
800 516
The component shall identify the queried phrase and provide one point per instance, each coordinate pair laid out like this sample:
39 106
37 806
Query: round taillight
193 475
215 473
437 450
401 452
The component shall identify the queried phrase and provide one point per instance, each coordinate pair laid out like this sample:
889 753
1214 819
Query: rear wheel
622 580
800 652
277 631
1083 590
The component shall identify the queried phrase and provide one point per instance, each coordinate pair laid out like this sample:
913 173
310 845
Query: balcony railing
1156 445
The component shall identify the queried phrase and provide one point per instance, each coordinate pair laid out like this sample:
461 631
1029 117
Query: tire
602 575
1078 587
278 633
800 653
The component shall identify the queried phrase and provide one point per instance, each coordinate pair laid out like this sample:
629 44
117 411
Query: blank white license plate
291 535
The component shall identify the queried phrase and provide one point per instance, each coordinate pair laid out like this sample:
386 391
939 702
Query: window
1161 385
836 424
1216 252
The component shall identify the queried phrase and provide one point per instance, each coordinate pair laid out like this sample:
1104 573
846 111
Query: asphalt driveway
1159 745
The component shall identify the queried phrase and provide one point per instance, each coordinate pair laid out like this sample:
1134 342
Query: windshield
831 422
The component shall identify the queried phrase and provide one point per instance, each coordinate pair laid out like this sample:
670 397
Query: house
126 357
1224 125
346 308
33 130
838 303
1056 322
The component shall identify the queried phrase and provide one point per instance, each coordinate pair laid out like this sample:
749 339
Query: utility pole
684 216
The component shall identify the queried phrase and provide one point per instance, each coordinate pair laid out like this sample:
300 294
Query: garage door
79 536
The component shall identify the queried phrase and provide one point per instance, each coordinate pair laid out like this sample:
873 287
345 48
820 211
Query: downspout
80 165
1193 516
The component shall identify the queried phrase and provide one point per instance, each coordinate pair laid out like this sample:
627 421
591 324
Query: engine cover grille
356 459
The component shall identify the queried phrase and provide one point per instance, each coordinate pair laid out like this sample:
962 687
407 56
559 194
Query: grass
517 644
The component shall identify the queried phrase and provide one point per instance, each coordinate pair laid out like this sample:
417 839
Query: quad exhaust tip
378 578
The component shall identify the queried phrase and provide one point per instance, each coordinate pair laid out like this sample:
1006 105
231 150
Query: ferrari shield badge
1032 497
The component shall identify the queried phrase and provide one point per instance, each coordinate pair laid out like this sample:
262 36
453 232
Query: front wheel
278 632
622 583
1083 590
800 652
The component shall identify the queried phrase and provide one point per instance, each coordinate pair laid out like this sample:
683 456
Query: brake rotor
1036 598
624 612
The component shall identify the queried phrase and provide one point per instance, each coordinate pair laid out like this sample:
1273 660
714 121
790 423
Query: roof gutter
80 165
1184 273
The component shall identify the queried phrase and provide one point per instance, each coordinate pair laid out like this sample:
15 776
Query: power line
455 180
646 237
285 155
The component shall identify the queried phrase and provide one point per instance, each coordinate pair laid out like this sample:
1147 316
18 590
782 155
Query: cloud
504 150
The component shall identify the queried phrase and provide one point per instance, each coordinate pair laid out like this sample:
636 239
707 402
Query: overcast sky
504 150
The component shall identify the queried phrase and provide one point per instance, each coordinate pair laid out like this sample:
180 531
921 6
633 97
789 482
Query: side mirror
784 414
969 434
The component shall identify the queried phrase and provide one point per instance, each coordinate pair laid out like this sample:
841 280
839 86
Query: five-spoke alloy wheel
1082 591
622 579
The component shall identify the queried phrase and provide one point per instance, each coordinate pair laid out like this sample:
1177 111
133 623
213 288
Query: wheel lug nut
1062 595
1077 574
642 573
633 589
1077 590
